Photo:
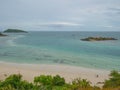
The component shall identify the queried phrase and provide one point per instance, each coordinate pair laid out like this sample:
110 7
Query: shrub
43 80
80 83
58 81
14 82
48 82
114 81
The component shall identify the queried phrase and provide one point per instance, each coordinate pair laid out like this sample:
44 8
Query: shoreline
29 71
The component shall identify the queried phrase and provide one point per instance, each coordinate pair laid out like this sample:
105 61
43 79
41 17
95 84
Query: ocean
62 47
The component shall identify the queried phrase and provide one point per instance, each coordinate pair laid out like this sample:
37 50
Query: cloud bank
36 14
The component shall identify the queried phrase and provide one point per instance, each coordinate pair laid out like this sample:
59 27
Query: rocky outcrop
14 31
2 35
98 38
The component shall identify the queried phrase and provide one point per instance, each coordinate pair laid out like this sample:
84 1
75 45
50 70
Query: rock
98 38
2 35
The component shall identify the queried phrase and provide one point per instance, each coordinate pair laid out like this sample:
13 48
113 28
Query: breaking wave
11 41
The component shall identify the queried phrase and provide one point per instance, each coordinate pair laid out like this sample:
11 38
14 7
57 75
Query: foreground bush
15 82
114 81
48 82
80 83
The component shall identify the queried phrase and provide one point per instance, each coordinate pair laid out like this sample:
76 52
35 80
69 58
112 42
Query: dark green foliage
80 83
114 81
58 81
15 81
26 85
14 31
43 80
48 82
8 87
12 80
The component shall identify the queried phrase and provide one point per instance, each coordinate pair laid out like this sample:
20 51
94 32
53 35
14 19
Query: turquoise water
62 48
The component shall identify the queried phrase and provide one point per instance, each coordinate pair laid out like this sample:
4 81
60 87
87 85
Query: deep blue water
62 48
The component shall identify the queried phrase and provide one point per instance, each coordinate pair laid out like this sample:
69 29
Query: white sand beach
29 71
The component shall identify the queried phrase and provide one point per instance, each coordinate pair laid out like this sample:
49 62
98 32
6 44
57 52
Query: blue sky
95 15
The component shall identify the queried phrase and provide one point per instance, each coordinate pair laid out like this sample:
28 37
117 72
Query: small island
14 31
2 35
98 39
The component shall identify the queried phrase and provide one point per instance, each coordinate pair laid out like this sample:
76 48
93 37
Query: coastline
29 71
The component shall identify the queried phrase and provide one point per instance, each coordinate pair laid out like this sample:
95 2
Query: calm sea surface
62 48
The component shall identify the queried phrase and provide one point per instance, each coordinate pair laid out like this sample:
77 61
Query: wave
11 41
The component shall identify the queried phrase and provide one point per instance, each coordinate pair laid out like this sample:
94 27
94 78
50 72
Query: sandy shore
29 71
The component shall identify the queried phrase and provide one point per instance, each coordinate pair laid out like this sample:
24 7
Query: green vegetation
98 39
15 82
14 31
78 83
114 81
48 82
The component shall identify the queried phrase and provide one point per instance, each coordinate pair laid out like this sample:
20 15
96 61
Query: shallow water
62 48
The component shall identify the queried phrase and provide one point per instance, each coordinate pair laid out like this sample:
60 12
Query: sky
81 15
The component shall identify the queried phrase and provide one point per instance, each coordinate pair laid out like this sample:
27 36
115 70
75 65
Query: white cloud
59 24
60 12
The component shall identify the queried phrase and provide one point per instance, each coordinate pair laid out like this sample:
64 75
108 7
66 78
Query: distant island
2 35
98 38
14 31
